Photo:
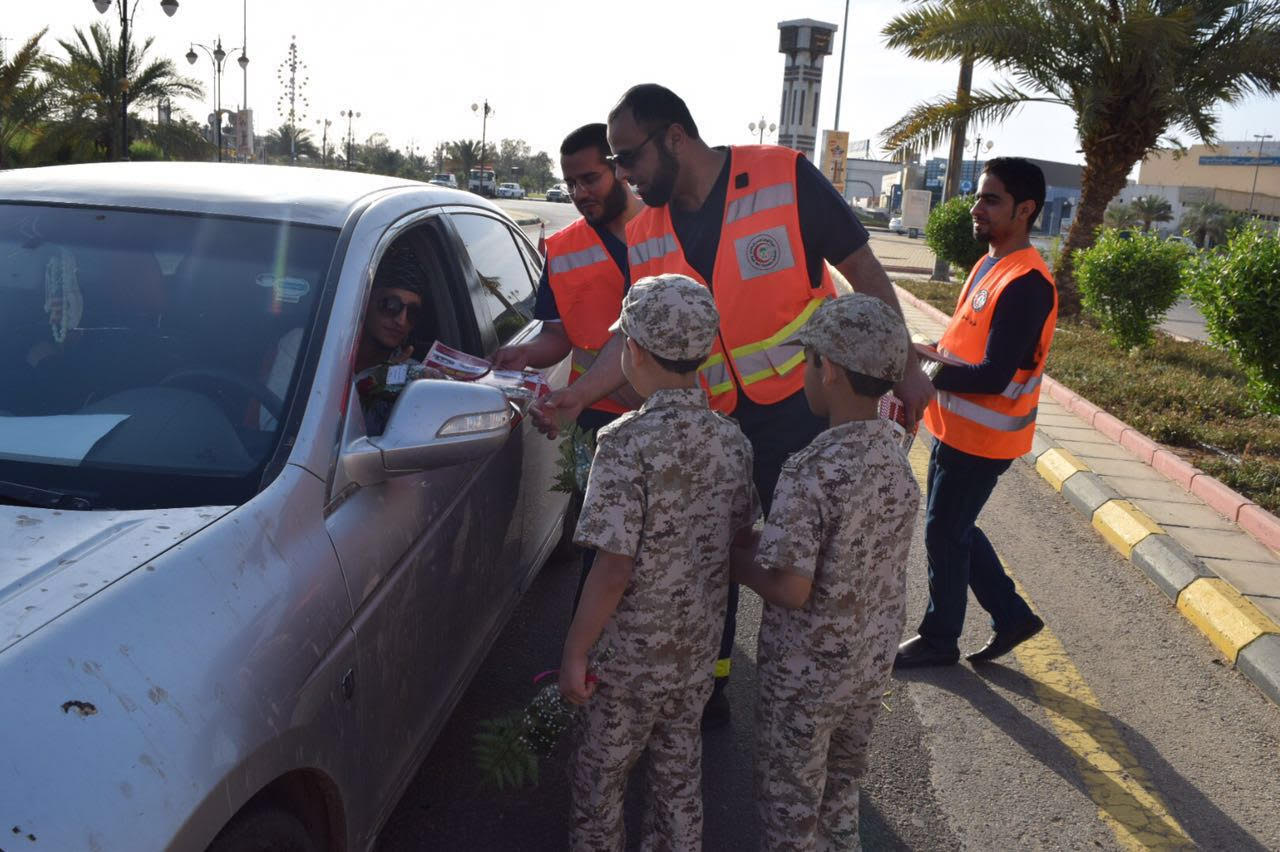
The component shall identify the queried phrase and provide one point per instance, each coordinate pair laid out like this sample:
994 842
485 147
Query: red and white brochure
892 409
521 386
930 351
455 364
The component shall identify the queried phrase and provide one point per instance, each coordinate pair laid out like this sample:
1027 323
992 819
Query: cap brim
616 327
796 339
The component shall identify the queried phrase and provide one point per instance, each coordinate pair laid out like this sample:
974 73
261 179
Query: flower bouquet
507 749
574 464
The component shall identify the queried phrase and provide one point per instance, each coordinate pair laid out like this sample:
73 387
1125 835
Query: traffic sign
966 186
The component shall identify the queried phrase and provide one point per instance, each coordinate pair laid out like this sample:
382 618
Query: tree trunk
951 186
1104 176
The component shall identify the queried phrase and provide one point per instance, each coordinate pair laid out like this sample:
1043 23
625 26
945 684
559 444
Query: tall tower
804 42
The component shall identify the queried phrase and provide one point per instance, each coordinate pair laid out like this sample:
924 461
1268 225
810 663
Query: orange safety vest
760 280
991 425
588 288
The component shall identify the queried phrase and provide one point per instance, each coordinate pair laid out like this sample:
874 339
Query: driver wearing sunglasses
395 307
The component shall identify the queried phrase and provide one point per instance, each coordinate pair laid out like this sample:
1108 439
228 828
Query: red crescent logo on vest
980 300
763 252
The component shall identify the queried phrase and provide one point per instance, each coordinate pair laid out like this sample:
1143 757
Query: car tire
264 830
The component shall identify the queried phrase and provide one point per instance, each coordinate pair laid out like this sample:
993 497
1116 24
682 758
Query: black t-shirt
828 228
1019 317
544 306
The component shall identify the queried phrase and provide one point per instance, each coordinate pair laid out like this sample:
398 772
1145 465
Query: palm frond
927 124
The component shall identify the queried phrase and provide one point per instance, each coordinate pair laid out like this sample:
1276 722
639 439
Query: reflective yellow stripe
787 366
715 373
722 667
769 357
582 359
781 334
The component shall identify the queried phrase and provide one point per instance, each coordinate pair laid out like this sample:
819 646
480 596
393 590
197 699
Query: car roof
278 193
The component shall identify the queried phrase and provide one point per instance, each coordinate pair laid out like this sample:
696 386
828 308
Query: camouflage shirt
670 485
842 515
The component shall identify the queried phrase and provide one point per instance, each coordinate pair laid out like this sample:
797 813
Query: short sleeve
613 509
544 305
792 537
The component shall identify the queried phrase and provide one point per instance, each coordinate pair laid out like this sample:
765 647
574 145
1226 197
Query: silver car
229 614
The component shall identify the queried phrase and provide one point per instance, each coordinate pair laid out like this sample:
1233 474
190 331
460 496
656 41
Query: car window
504 274
137 350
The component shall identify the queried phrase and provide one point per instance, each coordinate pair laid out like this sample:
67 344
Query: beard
612 206
663 185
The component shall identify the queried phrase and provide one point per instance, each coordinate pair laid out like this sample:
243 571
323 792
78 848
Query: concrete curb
1237 628
528 220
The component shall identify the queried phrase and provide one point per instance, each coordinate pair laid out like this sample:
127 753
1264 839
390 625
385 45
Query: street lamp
484 125
169 7
977 147
217 55
324 125
761 127
1261 137
349 115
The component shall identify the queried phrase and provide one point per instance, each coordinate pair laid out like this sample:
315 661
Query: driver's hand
511 358
555 411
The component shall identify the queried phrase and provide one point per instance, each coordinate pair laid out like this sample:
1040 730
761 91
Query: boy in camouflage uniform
670 486
831 567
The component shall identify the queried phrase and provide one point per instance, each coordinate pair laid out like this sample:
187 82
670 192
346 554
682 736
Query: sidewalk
1221 578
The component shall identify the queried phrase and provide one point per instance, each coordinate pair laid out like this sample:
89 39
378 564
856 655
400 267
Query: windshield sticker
289 290
60 439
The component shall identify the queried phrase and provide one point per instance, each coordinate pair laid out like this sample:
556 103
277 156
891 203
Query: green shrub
1129 283
949 233
1238 291
140 150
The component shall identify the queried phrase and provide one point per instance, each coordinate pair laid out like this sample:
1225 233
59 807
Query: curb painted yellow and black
1237 628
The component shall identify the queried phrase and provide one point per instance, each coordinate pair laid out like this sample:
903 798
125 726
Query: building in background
1240 175
805 42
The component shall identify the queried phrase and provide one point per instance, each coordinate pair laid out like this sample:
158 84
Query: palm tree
1209 223
23 98
286 140
1130 70
87 88
466 153
1120 216
1152 208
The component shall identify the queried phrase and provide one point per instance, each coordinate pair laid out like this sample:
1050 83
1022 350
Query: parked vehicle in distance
895 225
445 179
482 183
231 614
510 190
1186 241
558 193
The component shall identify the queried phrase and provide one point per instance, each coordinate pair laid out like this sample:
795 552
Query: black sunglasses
627 158
392 306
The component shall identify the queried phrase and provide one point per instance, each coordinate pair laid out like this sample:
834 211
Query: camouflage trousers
811 751
615 729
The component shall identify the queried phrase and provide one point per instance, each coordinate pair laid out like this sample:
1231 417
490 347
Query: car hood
52 560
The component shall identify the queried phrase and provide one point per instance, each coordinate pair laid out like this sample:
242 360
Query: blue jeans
960 556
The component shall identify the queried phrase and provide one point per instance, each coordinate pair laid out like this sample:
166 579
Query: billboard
835 151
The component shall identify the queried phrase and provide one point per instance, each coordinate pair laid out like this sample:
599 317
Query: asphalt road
1116 728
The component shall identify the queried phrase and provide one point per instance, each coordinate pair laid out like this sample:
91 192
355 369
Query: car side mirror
434 423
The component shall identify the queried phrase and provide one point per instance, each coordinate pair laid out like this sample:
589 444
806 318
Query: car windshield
147 358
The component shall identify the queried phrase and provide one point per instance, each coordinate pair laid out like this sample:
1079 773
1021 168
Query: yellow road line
1113 778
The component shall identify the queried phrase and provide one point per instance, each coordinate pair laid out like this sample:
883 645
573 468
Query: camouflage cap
670 315
860 333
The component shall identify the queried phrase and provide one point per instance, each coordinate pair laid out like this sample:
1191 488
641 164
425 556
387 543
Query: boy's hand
556 411
574 685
